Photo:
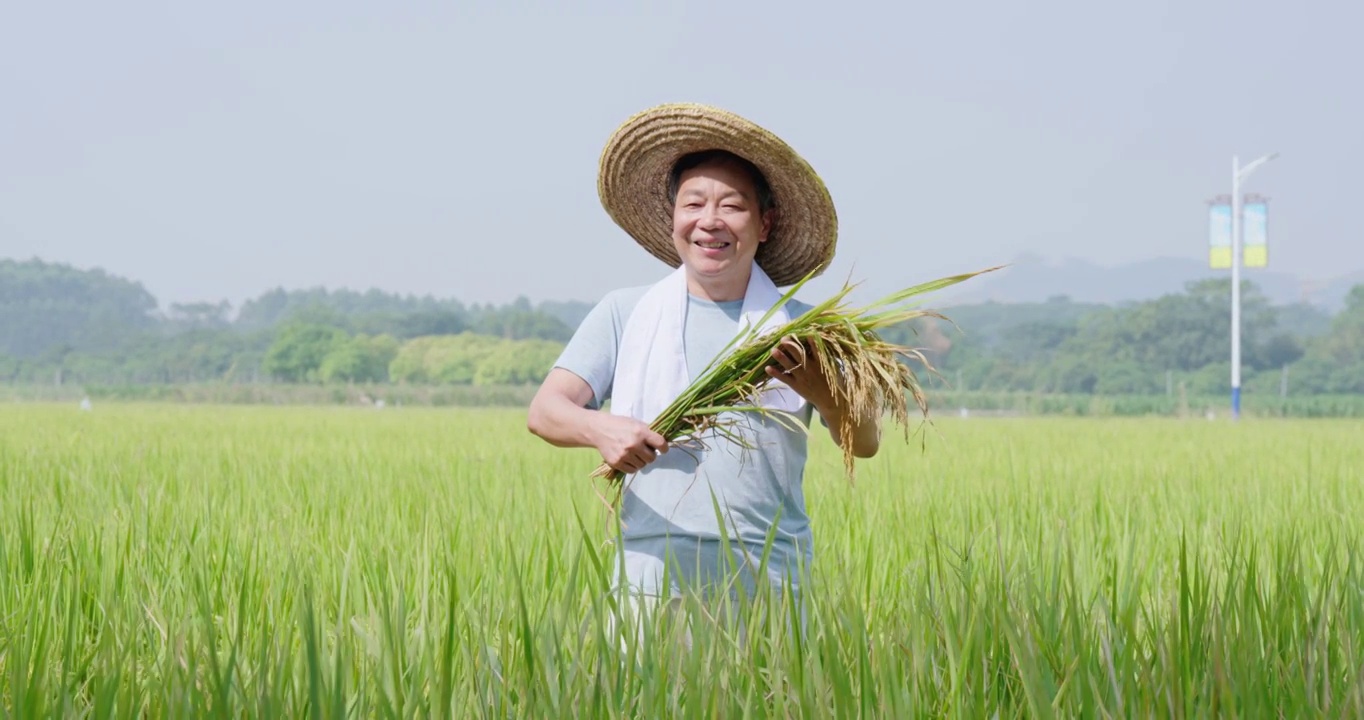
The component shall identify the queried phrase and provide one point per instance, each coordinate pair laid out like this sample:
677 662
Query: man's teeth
712 245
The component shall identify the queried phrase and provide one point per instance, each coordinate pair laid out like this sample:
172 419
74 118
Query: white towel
651 366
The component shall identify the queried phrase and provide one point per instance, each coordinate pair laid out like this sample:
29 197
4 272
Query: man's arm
558 415
807 379
865 435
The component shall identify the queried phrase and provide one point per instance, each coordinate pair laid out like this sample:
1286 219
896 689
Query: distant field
177 559
945 402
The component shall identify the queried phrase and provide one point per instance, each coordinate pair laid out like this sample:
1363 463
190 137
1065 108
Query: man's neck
727 290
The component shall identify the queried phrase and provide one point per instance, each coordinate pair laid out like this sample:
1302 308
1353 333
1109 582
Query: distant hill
55 308
1032 279
1331 294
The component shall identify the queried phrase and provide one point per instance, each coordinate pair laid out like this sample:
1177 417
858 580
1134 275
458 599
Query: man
737 213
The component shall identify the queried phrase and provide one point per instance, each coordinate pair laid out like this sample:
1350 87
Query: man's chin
707 267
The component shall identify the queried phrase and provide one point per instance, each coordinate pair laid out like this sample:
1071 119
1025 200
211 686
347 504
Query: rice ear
874 375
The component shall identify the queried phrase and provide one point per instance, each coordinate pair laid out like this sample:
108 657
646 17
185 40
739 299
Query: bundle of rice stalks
873 376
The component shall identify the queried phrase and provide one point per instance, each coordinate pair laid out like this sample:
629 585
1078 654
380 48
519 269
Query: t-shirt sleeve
591 352
795 308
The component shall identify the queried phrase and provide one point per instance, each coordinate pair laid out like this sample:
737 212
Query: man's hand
796 365
558 415
626 444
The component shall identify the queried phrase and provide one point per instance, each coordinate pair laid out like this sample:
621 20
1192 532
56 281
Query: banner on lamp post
1219 233
1255 236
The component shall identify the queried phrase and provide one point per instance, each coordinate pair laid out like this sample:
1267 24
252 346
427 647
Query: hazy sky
214 152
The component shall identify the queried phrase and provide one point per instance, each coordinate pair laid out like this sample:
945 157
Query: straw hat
638 158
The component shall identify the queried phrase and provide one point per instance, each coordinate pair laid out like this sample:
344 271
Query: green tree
1280 350
372 311
518 362
409 364
1035 341
443 359
1125 378
1344 345
429 322
1181 332
362 358
48 306
10 368
455 361
1214 379
471 358
1069 373
519 321
1334 363
298 351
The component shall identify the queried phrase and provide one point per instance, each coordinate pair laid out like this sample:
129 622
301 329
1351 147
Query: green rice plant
163 560
873 375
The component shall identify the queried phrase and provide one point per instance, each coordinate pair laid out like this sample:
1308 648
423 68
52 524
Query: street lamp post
1238 175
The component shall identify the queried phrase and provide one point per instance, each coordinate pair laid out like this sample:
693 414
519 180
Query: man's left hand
795 364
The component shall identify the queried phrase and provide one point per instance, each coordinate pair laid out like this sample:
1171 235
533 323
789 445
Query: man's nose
710 218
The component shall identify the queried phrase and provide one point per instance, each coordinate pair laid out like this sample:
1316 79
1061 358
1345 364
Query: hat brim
638 158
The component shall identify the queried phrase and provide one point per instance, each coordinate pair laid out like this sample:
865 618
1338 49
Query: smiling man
737 213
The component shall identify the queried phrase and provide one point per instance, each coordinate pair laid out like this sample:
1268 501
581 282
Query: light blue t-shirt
669 510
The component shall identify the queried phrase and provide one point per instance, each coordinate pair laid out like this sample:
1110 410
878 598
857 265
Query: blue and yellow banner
1219 235
1255 233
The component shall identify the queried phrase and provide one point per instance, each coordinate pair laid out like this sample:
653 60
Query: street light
1238 175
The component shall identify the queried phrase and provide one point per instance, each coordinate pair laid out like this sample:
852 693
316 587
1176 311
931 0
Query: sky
216 151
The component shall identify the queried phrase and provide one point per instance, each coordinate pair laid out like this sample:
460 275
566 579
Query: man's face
717 225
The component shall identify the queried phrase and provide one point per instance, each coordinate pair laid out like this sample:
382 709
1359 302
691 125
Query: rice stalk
873 376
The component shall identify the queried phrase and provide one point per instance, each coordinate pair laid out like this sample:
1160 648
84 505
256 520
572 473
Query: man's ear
769 221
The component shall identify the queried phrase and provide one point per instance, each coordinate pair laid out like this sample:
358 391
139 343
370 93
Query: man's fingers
634 461
657 442
791 353
779 355
641 458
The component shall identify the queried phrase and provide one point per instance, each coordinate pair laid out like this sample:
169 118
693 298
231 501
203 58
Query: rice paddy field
166 560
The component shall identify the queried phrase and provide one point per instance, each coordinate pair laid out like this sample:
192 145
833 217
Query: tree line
1177 342
66 325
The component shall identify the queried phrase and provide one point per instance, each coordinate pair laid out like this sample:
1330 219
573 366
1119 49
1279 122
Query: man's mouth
712 244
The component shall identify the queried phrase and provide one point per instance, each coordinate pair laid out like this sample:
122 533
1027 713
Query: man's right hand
558 415
627 444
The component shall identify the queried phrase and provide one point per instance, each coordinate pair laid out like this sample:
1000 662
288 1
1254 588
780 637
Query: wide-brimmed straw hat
640 155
